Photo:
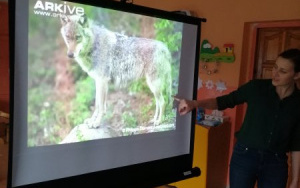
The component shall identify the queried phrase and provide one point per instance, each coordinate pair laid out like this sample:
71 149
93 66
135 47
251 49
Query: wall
225 24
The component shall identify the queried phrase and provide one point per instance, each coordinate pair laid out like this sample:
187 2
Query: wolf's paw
91 123
155 122
88 121
93 126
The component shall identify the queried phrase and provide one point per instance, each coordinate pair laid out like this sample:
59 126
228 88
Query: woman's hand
185 106
295 158
293 184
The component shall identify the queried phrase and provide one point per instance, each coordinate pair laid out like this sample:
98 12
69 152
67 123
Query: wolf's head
75 31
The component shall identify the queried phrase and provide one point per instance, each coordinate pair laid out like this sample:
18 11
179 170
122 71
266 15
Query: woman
270 129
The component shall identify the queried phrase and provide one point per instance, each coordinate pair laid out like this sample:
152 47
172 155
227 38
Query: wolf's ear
83 20
64 19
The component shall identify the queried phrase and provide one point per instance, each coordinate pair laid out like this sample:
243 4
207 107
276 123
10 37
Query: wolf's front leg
100 103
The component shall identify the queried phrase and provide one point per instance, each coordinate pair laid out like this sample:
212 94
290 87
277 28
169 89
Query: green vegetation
84 98
129 120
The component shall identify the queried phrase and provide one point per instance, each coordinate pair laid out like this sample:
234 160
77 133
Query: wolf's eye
78 37
68 37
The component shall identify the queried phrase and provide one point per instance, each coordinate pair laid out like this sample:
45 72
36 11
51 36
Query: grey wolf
111 57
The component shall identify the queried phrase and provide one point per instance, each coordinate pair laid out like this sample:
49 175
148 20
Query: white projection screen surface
92 86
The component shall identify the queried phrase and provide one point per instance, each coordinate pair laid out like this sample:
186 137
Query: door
271 42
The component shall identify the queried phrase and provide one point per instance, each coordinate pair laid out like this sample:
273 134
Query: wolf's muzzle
70 54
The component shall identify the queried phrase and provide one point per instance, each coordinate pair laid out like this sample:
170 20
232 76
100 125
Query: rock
83 133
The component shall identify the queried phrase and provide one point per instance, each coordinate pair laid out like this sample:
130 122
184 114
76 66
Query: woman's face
283 73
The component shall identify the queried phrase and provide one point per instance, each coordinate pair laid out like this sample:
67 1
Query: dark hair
294 56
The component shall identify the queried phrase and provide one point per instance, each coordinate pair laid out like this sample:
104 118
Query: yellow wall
200 156
225 24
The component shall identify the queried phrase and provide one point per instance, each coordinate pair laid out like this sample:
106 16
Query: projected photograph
96 73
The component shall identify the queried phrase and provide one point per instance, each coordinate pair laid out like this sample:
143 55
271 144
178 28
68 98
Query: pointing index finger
176 98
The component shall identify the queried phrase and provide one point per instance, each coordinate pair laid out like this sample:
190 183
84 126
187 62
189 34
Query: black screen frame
149 174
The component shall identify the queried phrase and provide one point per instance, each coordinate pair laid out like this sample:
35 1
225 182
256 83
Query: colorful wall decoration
209 85
209 54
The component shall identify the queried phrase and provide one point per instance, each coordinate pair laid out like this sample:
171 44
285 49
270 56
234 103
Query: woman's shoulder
260 82
297 91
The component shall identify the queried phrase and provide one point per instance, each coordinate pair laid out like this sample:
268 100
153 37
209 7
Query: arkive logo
58 8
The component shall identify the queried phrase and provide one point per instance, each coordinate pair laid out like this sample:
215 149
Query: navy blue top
270 123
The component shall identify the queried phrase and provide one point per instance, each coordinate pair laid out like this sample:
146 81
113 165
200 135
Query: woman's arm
295 156
185 106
